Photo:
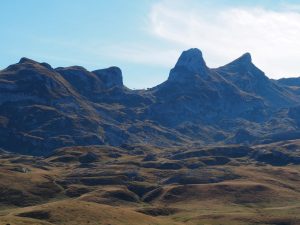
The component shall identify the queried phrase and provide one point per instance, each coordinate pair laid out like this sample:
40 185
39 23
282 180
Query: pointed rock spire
189 65
192 60
245 59
244 74
243 62
240 65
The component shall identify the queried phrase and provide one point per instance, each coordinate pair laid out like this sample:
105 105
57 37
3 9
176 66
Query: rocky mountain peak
111 77
26 60
245 59
192 60
189 65
240 65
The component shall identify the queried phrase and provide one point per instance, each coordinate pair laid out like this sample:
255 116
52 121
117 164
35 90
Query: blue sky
145 37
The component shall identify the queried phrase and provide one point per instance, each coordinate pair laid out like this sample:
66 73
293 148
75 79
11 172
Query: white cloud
223 34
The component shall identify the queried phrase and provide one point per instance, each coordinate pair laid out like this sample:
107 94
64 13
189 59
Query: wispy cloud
271 36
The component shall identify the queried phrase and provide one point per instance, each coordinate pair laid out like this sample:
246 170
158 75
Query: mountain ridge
44 108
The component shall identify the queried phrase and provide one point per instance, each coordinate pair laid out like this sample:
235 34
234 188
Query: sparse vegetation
99 189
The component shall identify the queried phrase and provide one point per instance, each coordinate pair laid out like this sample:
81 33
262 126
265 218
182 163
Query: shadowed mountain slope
43 108
247 77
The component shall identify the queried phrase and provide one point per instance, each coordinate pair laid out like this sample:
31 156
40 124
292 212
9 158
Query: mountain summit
250 79
245 59
189 64
192 60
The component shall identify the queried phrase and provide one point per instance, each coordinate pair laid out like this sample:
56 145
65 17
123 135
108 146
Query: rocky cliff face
43 108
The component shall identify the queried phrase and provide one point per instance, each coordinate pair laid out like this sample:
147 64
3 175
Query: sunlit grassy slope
145 185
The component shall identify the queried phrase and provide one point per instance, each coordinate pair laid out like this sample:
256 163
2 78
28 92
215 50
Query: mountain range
207 146
44 108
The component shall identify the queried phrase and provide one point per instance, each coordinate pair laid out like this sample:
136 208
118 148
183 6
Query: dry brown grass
117 188
74 212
